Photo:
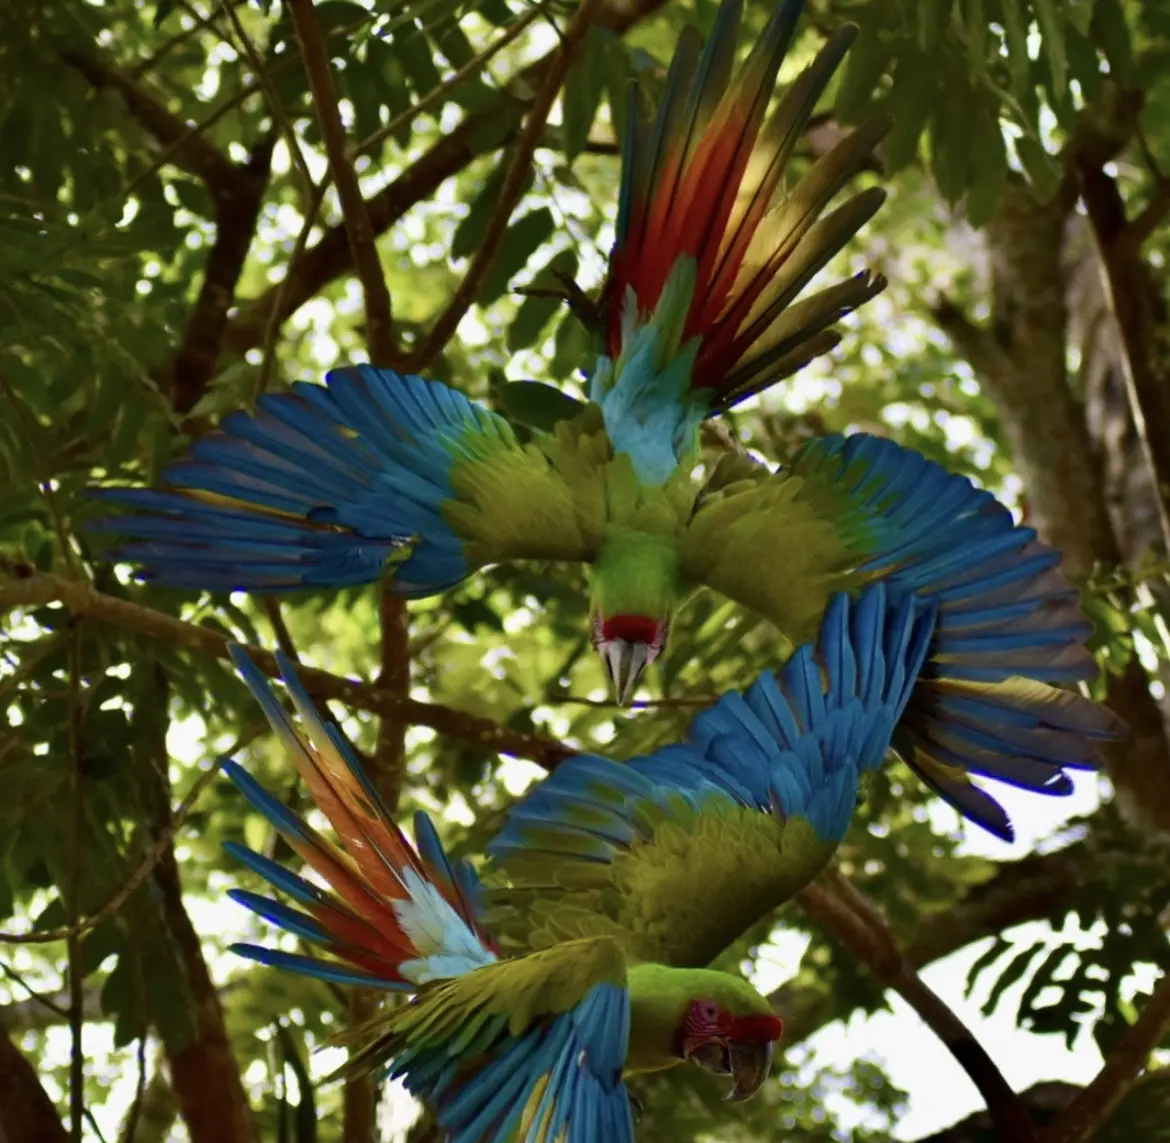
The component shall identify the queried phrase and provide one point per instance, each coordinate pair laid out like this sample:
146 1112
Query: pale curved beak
751 1061
624 662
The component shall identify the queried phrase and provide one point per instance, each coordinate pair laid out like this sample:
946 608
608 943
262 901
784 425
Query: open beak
748 1062
751 1061
625 662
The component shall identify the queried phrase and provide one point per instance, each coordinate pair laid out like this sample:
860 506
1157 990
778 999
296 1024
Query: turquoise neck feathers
650 412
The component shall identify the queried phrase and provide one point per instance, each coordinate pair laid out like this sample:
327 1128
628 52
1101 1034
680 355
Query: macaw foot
636 1106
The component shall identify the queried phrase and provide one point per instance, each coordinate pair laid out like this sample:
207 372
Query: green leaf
469 233
1051 21
932 22
864 66
950 142
583 87
414 52
536 312
162 10
453 44
1012 972
538 405
910 103
1111 29
1016 31
522 239
989 165
975 33
1041 168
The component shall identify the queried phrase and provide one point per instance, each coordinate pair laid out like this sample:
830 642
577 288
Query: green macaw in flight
616 884
381 476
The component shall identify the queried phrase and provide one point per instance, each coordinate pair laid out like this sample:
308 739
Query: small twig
73 891
136 71
1079 1122
313 200
39 997
280 630
845 912
510 192
296 155
359 231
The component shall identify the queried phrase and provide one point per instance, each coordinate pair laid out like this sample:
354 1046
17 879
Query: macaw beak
751 1061
624 661
748 1062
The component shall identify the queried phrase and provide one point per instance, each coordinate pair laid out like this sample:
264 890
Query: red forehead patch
757 1029
631 628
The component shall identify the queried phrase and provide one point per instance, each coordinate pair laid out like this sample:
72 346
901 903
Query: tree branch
237 207
1093 1106
1037 886
846 913
358 228
81 599
191 151
513 187
1139 311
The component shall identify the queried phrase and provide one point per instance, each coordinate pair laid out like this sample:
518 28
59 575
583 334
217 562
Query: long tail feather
323 486
398 916
700 182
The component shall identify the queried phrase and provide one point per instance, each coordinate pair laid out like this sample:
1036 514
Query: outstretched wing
852 511
372 474
704 181
529 1048
678 852
536 1043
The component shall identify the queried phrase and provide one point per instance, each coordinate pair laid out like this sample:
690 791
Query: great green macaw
618 884
379 475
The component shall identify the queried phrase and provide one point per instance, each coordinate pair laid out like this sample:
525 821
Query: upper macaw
619 882
378 474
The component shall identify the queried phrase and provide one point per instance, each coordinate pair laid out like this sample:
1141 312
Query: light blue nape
651 413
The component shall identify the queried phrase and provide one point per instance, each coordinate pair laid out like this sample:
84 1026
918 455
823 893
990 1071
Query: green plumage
678 899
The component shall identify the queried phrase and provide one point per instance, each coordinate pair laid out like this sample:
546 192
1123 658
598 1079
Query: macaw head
731 1032
628 644
634 590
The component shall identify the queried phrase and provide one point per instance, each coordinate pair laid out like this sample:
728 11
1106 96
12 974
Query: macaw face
628 644
738 1046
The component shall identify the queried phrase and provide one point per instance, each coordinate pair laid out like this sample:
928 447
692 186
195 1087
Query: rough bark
27 1114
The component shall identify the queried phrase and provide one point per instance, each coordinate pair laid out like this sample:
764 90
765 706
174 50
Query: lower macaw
620 882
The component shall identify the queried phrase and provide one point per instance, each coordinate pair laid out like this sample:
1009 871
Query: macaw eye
709 1010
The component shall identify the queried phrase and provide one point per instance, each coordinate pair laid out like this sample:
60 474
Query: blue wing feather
357 471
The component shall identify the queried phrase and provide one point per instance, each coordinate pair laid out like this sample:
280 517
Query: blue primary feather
581 1054
1008 625
795 743
326 486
